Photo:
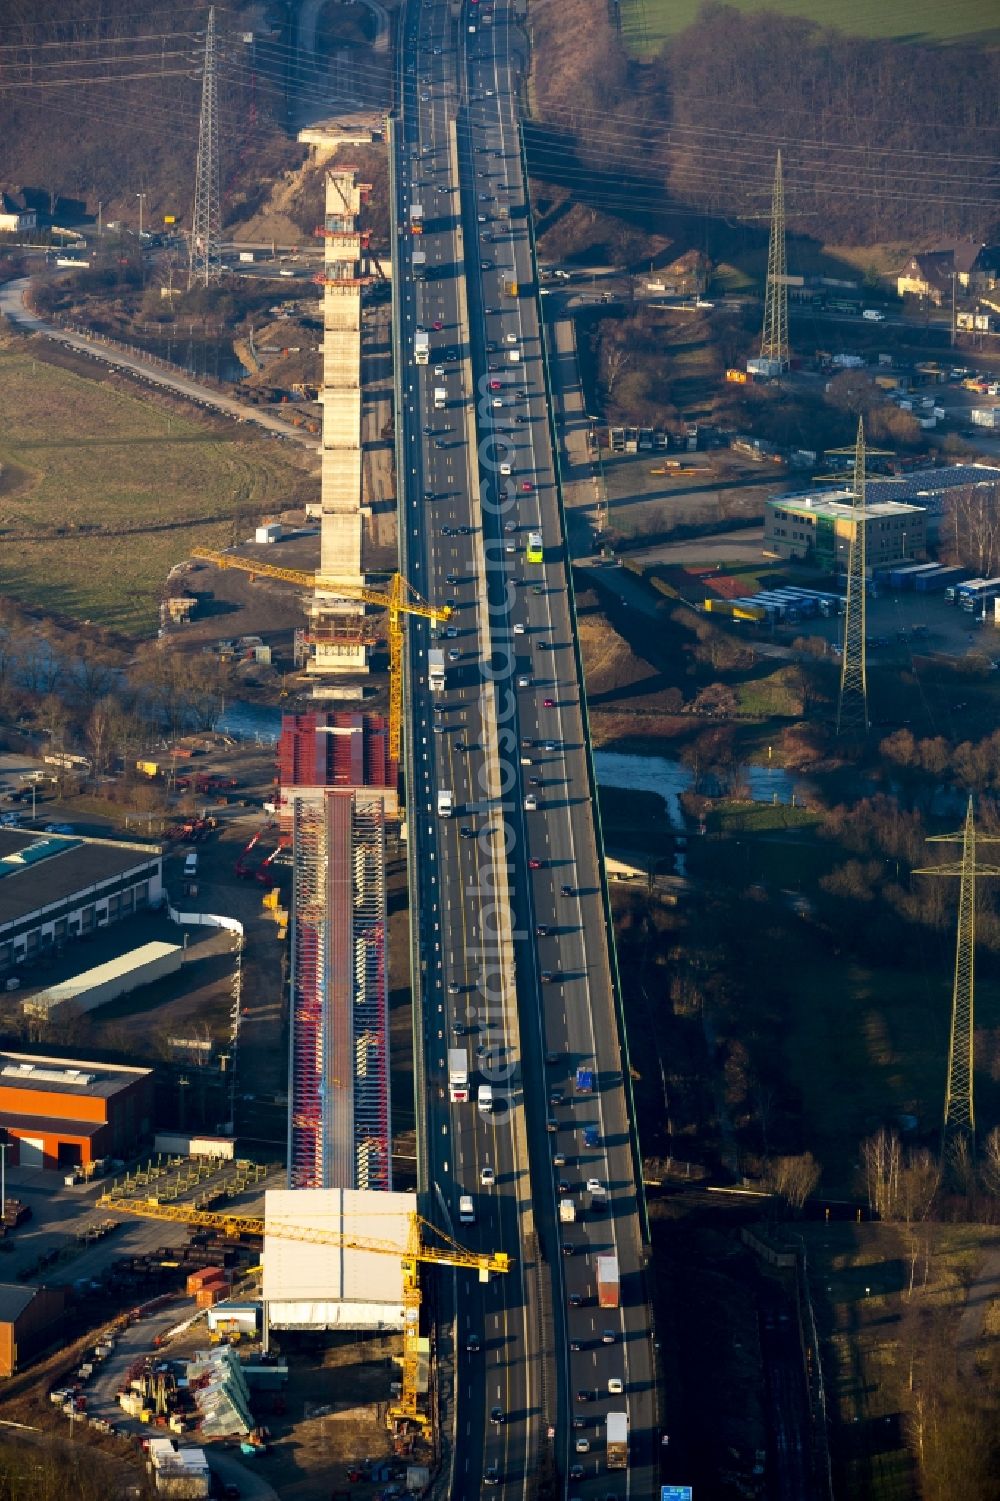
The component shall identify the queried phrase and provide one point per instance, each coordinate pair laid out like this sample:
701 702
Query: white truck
435 670
466 1210
440 398
484 1098
514 356
421 346
419 264
458 1076
616 1440
446 802
872 315
567 1212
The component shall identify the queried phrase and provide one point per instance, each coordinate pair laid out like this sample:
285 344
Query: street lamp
142 201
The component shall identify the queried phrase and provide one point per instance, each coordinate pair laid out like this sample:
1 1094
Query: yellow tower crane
398 599
407 1409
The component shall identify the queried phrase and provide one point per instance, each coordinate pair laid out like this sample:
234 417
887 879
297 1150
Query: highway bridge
512 949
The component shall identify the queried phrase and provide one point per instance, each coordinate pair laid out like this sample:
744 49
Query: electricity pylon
774 339
205 265
959 1131
852 702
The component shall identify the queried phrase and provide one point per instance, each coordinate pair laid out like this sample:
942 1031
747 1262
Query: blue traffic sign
675 1493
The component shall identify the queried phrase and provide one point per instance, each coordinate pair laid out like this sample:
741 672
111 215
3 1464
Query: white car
487 1177
583 1446
595 1186
530 803
519 628
615 1386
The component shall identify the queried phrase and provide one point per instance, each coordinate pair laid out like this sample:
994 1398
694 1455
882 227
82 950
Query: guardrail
589 754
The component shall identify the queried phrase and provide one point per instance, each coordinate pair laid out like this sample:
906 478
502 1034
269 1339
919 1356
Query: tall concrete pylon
337 626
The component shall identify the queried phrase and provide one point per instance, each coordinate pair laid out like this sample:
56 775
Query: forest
882 141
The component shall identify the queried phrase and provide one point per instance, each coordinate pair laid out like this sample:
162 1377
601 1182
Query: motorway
507 732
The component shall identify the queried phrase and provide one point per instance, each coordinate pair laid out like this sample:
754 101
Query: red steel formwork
336 748
339 1124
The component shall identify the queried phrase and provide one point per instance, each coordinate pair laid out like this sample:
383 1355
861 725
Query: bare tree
794 1178
990 1166
880 1157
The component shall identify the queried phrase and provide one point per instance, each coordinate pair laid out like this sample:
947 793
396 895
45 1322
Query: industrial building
820 526
338 1094
327 1284
27 1315
929 488
105 982
64 1113
55 888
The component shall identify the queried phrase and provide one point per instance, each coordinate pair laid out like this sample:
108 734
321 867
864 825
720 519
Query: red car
527 486
534 864
437 325
494 385
548 703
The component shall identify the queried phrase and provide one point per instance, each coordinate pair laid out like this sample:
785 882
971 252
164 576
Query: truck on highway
421 346
416 219
446 802
484 1098
567 1212
616 1440
466 1210
458 1076
608 1282
435 670
585 1081
419 264
514 356
440 398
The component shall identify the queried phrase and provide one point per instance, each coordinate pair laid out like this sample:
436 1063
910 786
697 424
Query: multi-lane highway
513 958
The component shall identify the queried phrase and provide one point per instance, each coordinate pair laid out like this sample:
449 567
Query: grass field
646 24
102 492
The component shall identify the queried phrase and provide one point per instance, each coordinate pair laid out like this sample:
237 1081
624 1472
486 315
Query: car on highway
550 745
519 628
615 1386
591 1136
608 1336
582 1446
452 578
543 930
454 654
527 486
576 1472
548 703
451 633
595 1186
559 1159
568 1248
551 1125
491 1475
534 863
567 891
549 976
487 1177
437 325
525 682
467 832
576 1300
473 1344
454 988
530 803
556 1097
496 1415
586 1394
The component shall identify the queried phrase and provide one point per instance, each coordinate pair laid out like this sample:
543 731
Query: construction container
197 1280
212 1293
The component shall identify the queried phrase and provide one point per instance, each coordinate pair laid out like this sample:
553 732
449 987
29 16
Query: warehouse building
819 527
27 1315
64 1113
55 888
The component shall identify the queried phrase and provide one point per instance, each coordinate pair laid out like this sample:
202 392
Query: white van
466 1210
191 864
484 1098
